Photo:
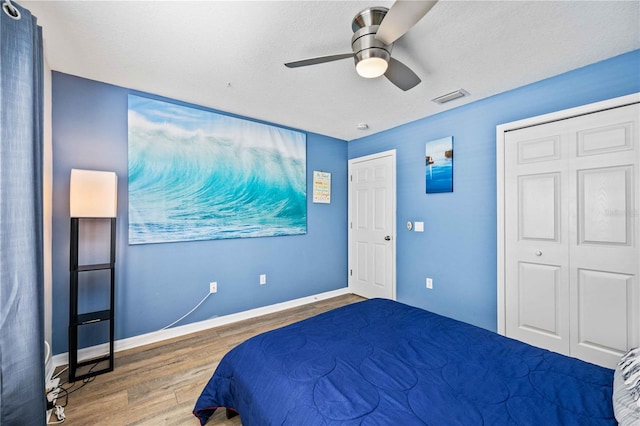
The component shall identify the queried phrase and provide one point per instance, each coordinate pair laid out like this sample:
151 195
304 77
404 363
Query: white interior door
604 251
571 234
372 206
536 233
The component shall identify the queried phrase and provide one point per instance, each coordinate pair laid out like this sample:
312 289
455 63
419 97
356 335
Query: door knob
387 238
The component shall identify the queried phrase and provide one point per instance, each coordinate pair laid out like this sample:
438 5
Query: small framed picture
321 187
439 162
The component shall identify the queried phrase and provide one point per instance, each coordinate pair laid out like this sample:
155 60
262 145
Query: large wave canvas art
199 175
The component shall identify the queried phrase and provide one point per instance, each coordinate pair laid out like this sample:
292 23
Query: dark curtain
22 398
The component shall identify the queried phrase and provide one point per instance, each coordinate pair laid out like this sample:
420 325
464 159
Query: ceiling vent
460 93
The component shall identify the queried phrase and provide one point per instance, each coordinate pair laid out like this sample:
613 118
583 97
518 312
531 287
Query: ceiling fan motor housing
368 17
364 43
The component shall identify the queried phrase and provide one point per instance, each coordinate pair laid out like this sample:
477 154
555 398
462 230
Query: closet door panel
538 201
536 259
604 302
539 305
605 317
604 197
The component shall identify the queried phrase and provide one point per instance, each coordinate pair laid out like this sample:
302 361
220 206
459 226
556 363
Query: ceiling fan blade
401 75
318 60
401 17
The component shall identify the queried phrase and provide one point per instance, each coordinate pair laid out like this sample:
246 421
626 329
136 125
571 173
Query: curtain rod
11 10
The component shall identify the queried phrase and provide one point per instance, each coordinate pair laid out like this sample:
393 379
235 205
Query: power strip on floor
52 389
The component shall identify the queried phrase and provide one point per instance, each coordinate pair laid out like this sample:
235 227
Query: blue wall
158 283
458 247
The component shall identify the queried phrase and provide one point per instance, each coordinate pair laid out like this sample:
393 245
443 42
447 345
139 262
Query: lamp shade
93 193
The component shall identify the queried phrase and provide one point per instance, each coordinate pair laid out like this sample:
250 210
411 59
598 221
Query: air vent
460 93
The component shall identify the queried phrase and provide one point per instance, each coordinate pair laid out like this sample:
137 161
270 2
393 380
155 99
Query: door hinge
351 178
351 272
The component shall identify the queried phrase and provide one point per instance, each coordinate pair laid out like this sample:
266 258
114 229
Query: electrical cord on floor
59 412
61 391
68 391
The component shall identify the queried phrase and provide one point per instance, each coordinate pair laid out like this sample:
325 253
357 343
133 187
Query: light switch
419 227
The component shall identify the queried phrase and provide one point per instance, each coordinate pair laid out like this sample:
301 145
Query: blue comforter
380 362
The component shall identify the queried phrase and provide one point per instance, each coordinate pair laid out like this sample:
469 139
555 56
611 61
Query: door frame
501 130
390 153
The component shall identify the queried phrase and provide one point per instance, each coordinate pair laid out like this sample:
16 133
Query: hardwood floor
158 384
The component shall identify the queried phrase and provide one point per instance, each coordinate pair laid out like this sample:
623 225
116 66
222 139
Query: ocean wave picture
198 175
439 162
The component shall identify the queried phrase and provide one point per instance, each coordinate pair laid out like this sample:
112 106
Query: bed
380 362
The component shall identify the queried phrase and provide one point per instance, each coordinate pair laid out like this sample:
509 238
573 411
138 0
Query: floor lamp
92 196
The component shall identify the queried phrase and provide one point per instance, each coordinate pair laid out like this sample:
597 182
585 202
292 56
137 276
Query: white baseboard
158 336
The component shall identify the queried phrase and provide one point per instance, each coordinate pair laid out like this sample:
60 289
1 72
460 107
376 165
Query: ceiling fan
375 29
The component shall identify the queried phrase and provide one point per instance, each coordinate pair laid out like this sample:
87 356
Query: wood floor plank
158 384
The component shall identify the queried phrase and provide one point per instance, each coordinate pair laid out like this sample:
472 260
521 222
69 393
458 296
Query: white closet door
604 252
536 233
571 234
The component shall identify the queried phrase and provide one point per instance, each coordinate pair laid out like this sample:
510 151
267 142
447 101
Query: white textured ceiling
230 55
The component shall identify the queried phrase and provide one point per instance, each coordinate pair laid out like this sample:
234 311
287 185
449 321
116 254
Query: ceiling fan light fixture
372 63
372 67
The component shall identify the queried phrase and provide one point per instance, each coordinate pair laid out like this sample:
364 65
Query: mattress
380 362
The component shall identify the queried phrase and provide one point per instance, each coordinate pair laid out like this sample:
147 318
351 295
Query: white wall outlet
263 279
429 283
419 227
213 287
